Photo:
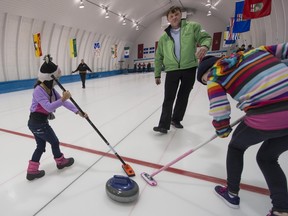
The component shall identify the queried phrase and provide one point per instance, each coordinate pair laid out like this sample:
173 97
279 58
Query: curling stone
122 189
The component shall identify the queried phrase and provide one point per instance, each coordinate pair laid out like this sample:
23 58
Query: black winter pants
274 144
83 78
186 79
44 133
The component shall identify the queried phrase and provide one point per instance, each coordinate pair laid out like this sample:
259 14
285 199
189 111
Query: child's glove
224 132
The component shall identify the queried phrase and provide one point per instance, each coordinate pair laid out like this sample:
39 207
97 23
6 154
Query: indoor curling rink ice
124 108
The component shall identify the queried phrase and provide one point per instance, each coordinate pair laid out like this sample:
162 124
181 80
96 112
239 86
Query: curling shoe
160 129
177 124
230 199
63 162
33 172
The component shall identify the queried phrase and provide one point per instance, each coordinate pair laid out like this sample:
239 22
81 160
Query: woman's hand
65 95
201 52
158 81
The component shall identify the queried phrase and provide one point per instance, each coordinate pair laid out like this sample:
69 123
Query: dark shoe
177 124
161 130
231 200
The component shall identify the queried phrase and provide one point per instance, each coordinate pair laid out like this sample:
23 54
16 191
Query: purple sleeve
70 106
42 98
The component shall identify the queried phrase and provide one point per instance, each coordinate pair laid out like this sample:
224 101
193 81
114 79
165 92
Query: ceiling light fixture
124 20
208 3
81 4
209 13
106 13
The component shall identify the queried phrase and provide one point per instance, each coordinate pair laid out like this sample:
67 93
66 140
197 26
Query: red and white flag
254 9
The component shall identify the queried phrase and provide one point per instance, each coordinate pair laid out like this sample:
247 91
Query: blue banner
240 25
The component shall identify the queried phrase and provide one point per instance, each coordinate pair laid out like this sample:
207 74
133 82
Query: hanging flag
37 45
232 37
126 52
216 41
140 51
257 8
225 37
73 48
114 51
240 25
97 49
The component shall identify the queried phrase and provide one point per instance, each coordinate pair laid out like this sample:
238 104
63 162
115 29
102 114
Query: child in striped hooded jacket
258 81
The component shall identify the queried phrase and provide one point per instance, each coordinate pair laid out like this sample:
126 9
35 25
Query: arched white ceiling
92 17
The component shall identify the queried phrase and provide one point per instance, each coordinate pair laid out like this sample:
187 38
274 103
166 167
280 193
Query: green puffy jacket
191 35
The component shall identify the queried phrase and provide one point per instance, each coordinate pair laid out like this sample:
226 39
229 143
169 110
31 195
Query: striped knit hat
206 63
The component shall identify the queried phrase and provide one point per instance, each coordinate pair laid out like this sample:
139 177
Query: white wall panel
274 20
2 42
65 43
10 47
269 34
106 47
285 20
54 37
92 60
45 37
98 60
279 12
59 46
88 50
81 38
24 44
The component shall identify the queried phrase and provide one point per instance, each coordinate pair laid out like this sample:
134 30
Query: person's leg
83 79
60 160
47 133
40 149
267 159
187 83
171 86
44 133
33 171
242 138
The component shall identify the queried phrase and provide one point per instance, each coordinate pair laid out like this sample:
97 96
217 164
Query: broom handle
192 150
90 122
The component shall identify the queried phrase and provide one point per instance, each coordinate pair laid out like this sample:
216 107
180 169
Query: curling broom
126 167
149 178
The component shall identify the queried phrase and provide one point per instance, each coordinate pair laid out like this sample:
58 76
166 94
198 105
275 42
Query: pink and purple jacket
42 103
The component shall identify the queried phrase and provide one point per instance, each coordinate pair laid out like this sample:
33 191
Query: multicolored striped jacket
257 79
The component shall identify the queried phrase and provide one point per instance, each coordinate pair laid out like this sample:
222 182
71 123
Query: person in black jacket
82 68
